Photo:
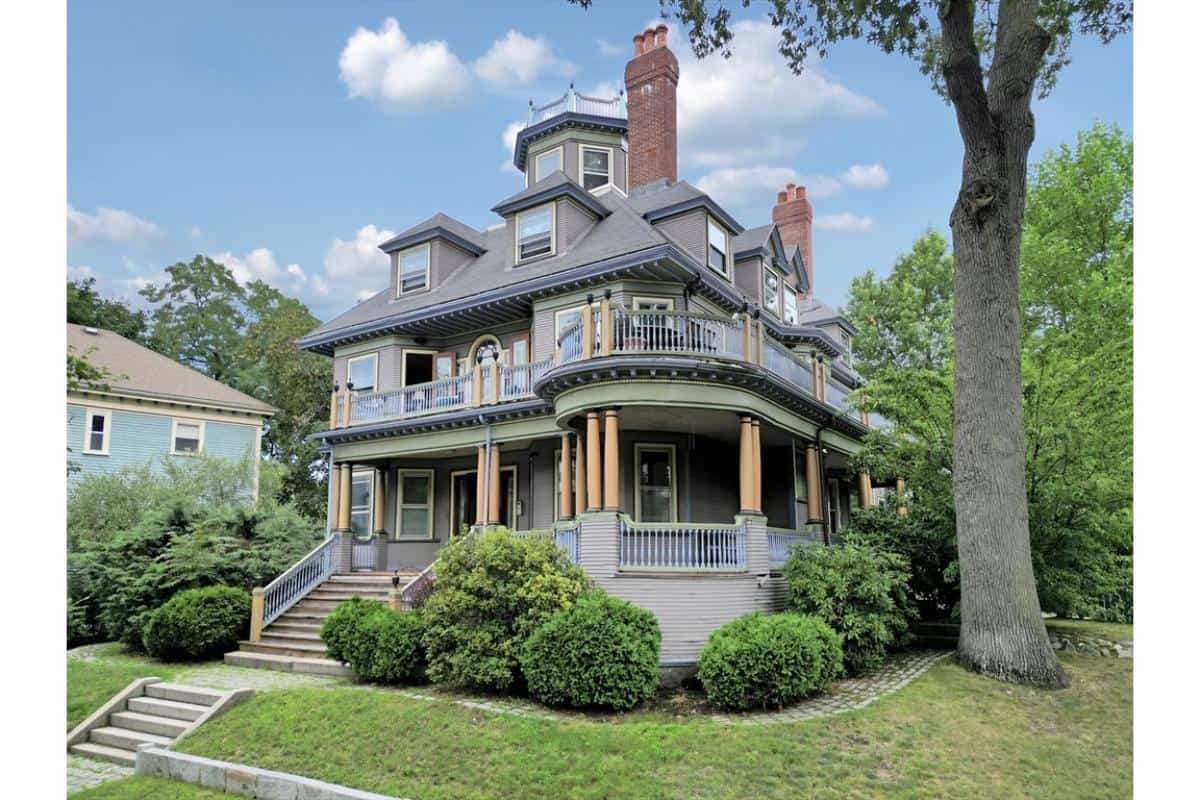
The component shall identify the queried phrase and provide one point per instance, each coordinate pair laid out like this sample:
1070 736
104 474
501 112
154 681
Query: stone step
125 738
282 626
303 637
281 663
317 606
148 723
283 648
116 755
187 712
183 694
339 596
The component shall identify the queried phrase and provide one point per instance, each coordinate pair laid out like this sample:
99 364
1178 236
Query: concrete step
183 694
125 738
187 712
148 723
282 663
280 626
317 606
283 648
301 617
103 752
339 596
303 637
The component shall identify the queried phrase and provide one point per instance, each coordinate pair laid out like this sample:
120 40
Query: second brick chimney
650 80
793 216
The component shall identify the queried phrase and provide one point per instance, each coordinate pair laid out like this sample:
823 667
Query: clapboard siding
747 277
689 231
571 223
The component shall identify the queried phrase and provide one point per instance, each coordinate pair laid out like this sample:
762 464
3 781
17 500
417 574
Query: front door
465 484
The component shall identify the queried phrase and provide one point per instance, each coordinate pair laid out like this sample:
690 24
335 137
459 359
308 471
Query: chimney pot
782 198
637 45
651 78
660 35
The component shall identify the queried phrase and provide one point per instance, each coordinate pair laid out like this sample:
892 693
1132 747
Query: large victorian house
618 363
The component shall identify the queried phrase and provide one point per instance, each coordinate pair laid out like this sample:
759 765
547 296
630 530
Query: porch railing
565 538
682 332
299 579
690 546
780 542
363 553
516 381
435 397
572 100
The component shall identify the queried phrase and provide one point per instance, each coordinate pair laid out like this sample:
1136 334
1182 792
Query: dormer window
718 248
595 165
546 163
535 233
770 290
790 306
413 268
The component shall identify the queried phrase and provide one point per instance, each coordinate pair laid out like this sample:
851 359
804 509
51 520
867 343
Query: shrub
341 631
767 661
491 591
198 623
862 593
601 652
390 649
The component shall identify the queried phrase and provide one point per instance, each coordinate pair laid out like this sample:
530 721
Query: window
595 165
362 493
653 304
718 248
655 499
361 372
790 309
413 266
414 504
417 367
443 366
535 233
187 437
770 290
520 350
547 162
96 432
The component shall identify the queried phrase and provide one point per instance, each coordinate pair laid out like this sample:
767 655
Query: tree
199 321
85 306
986 57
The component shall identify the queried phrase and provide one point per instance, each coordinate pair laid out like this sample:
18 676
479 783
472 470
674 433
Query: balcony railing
787 365
435 397
578 103
675 332
516 381
690 546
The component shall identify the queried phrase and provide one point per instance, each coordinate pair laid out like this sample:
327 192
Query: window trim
404 351
512 349
553 232
670 301
88 413
428 248
778 291
710 223
611 166
369 472
429 506
562 162
175 427
454 359
482 339
638 449
349 369
790 291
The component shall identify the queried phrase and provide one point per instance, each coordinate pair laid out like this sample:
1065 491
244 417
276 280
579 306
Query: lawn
1115 631
949 734
141 788
92 681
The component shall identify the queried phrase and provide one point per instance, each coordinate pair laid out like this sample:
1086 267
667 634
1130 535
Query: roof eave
428 234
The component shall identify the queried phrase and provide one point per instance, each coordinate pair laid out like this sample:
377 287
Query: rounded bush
602 652
198 623
768 661
340 631
391 651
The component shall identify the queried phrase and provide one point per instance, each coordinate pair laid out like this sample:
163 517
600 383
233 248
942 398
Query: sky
287 140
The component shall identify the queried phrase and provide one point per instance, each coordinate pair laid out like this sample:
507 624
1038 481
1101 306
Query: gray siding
689 231
747 277
572 222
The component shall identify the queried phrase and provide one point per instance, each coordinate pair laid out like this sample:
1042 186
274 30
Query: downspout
329 509
487 468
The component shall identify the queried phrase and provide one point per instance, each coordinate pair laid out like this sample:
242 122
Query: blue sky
285 139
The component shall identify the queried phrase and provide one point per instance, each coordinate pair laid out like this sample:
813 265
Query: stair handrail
293 584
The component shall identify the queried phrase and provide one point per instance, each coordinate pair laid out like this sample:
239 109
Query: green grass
1115 631
949 734
91 682
141 788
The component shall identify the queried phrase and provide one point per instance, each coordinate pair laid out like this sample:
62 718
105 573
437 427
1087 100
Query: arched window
485 350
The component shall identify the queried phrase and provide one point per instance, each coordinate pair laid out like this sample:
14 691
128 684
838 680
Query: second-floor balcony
609 330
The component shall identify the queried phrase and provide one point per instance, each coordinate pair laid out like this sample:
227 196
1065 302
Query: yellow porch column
335 486
901 489
347 400
747 353
864 490
493 515
480 497
565 511
594 465
588 332
378 495
333 400
812 476
477 387
612 461
745 457
344 478
581 476
756 466
494 380
606 326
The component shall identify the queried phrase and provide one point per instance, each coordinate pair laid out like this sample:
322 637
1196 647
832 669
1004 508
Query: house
618 363
148 407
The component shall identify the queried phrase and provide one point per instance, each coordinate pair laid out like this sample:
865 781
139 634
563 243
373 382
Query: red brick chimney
650 80
792 215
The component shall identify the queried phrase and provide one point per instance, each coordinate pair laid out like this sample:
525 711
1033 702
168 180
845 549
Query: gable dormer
422 256
547 218
583 137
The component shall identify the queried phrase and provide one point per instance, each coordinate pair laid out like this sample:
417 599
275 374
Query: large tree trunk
1003 634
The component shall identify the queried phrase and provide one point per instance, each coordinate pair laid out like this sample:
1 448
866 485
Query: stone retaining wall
1090 645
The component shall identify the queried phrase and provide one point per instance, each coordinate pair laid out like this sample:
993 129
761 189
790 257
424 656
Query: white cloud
357 265
757 186
609 49
262 265
508 139
844 223
518 60
195 232
80 273
750 108
110 226
397 75
866 176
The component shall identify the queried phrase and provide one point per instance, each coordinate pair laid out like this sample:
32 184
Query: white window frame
433 354
774 308
610 184
88 414
349 369
175 421
669 302
428 506
662 447
553 232
790 292
710 223
524 339
370 510
428 249
537 169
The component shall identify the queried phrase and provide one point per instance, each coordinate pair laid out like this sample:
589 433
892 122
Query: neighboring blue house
152 407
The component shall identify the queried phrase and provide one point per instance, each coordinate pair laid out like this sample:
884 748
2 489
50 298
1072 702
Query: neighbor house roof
137 370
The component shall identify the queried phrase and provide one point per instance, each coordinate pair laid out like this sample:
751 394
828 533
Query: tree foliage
85 306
